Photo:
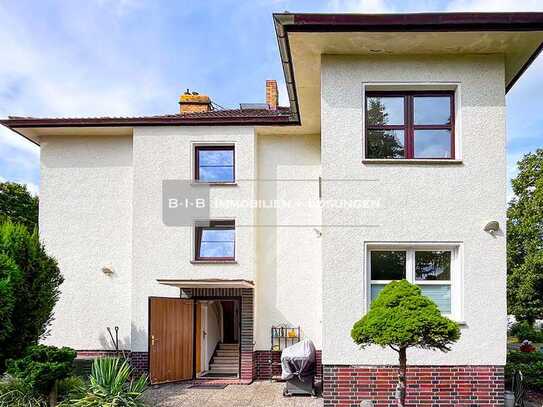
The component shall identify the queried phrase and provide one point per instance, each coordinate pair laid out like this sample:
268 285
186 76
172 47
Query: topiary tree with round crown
400 318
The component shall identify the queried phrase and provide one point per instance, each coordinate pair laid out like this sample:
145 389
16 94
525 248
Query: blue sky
131 57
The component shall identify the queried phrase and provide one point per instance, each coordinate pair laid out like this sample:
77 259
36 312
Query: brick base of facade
254 365
265 371
473 386
138 360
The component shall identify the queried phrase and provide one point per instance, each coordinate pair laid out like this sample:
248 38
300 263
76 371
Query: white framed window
435 268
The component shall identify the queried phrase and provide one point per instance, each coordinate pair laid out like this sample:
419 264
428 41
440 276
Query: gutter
281 21
30 122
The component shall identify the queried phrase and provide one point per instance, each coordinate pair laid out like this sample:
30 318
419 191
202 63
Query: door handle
153 340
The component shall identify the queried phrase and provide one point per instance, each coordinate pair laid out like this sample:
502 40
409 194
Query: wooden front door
171 339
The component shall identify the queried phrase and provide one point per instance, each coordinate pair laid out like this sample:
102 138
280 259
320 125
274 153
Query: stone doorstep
221 381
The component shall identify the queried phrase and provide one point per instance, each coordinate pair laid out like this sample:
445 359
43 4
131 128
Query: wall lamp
492 227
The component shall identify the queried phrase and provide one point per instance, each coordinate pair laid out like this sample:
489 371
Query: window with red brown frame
215 240
409 125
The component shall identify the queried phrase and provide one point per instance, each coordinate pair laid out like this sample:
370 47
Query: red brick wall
264 371
473 386
247 360
92 354
138 360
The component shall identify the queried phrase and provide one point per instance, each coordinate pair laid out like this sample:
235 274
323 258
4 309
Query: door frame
149 353
215 298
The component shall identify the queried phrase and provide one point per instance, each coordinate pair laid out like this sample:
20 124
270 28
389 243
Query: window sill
213 262
411 161
222 184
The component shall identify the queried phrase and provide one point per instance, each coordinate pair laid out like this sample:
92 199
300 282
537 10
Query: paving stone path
260 393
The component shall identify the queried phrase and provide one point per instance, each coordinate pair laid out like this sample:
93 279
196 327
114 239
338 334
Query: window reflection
385 111
432 110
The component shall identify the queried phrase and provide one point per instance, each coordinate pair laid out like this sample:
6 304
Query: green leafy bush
400 318
17 393
531 366
30 297
71 387
525 330
111 385
10 279
42 366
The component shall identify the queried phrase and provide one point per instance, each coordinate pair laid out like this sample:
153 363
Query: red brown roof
281 116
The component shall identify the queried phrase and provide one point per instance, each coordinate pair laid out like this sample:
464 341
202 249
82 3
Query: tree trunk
401 387
53 395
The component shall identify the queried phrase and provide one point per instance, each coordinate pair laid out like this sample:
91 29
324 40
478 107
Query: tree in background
525 240
381 143
400 318
30 281
18 205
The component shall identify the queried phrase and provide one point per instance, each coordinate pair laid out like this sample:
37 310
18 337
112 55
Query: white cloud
360 6
495 5
72 68
381 6
32 188
390 6
89 75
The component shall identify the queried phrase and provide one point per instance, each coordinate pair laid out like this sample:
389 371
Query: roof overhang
303 38
208 283
34 128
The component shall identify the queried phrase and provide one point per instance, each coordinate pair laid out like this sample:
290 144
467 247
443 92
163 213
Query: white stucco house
395 128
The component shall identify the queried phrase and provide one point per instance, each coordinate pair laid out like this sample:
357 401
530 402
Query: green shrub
34 294
10 279
17 393
71 387
515 356
401 318
111 385
42 366
524 330
531 366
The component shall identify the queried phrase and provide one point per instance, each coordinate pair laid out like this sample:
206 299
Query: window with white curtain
434 269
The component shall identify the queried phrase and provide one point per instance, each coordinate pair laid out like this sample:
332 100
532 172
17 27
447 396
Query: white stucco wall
214 311
85 223
162 252
288 284
416 202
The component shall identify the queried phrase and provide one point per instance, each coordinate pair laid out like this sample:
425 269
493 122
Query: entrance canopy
208 283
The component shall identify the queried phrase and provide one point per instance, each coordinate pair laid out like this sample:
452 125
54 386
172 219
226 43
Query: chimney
272 96
193 102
